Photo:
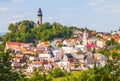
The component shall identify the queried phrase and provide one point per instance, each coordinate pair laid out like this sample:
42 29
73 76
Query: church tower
85 37
39 17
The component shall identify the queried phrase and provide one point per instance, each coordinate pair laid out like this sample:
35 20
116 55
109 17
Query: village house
101 43
64 65
30 69
16 65
116 38
78 41
69 50
37 64
20 58
46 43
69 42
44 56
58 53
68 58
58 41
81 47
14 45
92 40
28 48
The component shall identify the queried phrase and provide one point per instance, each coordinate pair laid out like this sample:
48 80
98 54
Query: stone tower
39 17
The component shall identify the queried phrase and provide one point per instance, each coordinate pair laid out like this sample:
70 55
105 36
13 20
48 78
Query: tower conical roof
39 12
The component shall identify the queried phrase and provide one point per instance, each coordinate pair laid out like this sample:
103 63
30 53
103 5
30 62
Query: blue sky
100 15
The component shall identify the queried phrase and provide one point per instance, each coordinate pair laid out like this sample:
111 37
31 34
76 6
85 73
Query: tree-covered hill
28 31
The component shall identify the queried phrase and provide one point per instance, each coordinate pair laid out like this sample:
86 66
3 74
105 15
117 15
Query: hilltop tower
39 17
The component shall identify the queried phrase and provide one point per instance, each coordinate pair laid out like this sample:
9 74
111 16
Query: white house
44 56
30 69
57 54
69 42
69 50
100 43
81 47
31 58
92 40
64 65
47 66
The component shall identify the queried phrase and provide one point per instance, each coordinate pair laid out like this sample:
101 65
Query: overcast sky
100 15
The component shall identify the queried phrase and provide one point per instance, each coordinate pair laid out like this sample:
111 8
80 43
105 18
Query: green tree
57 72
12 27
60 45
2 46
37 76
6 73
110 42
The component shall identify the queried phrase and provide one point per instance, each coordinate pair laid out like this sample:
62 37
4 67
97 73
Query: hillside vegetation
27 31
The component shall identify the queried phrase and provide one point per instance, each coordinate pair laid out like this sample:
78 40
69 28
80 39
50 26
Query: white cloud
110 8
96 2
74 25
18 16
28 18
50 18
115 8
13 21
4 8
105 6
92 4
70 8
17 0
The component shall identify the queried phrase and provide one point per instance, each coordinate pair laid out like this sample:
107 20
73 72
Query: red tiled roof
12 43
15 43
91 45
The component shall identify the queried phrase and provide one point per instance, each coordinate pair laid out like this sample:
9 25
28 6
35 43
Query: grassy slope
73 73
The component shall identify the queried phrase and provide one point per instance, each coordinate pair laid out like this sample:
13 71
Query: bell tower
39 17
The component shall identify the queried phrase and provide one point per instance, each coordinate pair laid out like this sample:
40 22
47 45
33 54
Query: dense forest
28 31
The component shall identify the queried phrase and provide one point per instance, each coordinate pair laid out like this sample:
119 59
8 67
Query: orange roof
17 58
50 61
94 32
72 64
46 43
38 62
